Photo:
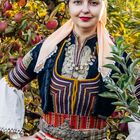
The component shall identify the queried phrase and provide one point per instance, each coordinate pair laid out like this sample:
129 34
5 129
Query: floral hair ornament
104 42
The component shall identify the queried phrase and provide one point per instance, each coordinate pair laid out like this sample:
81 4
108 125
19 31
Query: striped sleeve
18 76
23 72
137 88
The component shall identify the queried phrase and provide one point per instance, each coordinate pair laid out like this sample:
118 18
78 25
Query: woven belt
44 136
64 132
75 121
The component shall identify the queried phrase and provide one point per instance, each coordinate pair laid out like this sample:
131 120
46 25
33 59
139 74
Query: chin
87 27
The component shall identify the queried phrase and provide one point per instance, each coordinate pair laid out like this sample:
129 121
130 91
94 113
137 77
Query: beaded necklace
77 62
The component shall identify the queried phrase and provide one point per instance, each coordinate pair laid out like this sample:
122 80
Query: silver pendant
76 68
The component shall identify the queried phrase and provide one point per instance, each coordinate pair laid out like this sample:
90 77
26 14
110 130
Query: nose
85 8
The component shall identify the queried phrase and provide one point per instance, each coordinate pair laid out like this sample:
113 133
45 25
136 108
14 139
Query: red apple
7 6
36 40
18 17
52 24
3 26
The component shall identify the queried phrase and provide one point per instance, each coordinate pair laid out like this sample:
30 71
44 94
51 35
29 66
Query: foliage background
24 23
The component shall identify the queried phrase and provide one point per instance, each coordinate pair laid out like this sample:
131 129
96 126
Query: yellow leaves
15 7
124 21
61 7
10 13
108 134
42 13
28 126
37 6
30 6
34 84
126 114
28 100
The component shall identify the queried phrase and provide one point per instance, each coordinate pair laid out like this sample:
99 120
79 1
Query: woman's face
85 13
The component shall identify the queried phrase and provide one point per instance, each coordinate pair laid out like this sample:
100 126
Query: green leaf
126 120
115 50
124 95
23 24
128 56
29 33
108 95
118 103
133 64
120 108
118 58
113 67
122 80
133 106
123 48
111 87
110 58
119 41
116 75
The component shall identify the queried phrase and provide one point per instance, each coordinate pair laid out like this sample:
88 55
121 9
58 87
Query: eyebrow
95 0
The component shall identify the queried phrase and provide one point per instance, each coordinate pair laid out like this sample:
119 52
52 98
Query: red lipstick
85 18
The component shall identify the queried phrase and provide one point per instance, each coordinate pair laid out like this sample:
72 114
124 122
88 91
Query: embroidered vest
73 96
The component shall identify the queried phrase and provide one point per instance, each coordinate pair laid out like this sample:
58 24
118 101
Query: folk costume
69 84
70 80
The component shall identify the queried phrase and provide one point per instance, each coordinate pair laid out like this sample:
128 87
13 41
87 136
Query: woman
68 65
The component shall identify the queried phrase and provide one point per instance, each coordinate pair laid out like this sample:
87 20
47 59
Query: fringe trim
7 130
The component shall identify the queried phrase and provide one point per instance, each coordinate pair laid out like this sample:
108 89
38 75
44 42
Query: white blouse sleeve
134 131
11 108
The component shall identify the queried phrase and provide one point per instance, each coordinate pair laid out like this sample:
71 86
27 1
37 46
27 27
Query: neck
83 34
